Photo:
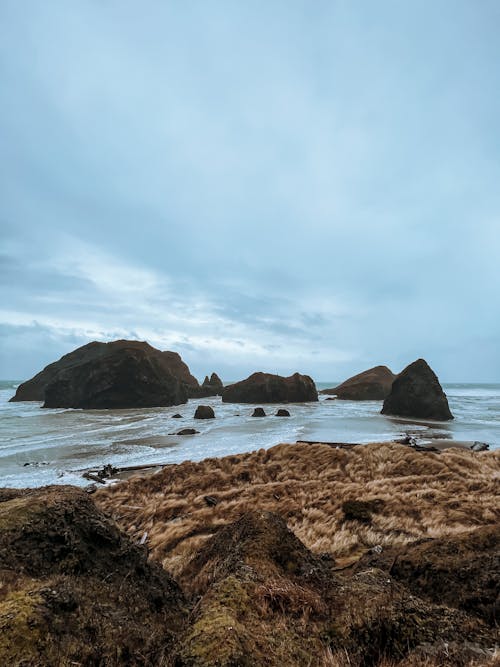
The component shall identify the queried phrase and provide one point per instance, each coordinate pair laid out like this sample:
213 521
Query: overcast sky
258 185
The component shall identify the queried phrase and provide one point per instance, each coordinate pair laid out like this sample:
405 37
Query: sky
280 186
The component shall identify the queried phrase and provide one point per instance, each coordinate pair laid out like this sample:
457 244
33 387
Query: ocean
46 446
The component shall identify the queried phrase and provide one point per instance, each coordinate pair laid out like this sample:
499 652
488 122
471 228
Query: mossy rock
74 589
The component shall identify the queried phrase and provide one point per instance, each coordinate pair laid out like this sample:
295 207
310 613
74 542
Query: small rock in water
282 413
259 412
187 431
204 412
177 416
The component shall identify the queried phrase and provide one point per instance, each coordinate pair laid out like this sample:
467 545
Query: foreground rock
371 385
74 590
461 571
285 605
268 388
416 393
120 374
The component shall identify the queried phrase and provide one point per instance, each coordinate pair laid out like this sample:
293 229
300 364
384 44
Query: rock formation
416 393
285 605
75 590
282 413
214 381
371 385
268 388
211 387
204 412
119 374
259 412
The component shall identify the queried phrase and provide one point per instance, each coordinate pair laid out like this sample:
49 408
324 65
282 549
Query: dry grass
423 494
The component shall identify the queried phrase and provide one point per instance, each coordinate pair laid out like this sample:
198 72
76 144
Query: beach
58 445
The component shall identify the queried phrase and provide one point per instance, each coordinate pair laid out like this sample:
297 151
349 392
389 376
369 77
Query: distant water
59 444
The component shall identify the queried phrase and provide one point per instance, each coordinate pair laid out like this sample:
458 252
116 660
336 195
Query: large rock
371 385
267 388
283 604
75 590
416 393
461 571
204 412
119 374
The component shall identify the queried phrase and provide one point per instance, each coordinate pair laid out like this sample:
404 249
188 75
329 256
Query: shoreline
118 474
425 494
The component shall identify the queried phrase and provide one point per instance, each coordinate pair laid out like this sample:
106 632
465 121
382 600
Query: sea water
46 446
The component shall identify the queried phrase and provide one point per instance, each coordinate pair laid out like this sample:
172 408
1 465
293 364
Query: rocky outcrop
371 385
416 393
204 412
214 382
267 388
75 590
119 374
211 387
461 571
288 606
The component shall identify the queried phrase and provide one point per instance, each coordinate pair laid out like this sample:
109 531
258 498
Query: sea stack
119 374
211 387
371 385
416 393
268 388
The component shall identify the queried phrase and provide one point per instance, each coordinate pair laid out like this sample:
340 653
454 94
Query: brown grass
422 494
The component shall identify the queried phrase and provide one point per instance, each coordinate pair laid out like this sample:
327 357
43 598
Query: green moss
215 637
21 627
18 512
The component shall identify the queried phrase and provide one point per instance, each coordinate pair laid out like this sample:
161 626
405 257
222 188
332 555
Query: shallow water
59 444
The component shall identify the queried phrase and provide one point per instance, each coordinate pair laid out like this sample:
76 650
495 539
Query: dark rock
282 413
204 412
282 602
210 387
371 385
259 412
361 510
268 388
187 431
120 374
75 589
176 416
416 393
461 571
215 381
211 501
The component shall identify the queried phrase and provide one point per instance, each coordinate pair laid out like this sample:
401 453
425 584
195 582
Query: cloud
274 187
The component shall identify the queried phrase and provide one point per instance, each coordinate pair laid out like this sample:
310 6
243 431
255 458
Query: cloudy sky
285 185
